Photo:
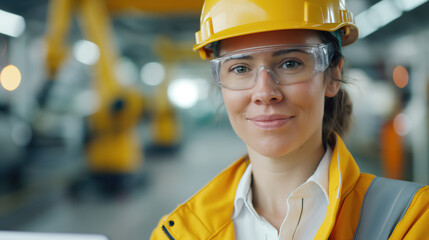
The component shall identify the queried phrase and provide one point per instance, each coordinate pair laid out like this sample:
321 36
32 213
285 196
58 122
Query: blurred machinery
113 148
165 128
11 128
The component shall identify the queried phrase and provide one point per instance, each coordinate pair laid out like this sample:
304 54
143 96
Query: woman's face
277 120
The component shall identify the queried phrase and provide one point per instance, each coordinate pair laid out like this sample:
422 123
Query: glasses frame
322 54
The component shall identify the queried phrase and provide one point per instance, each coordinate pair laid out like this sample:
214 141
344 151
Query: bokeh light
86 52
10 77
183 93
152 73
400 76
127 72
401 124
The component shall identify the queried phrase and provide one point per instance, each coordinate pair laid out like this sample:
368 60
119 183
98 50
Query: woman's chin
272 151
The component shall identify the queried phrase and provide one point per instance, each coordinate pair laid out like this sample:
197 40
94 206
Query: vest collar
343 175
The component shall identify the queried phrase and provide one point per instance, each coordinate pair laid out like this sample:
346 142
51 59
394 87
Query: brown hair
338 109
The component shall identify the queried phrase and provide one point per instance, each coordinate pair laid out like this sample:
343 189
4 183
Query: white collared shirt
306 208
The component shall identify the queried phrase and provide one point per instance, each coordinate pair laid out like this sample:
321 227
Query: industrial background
108 119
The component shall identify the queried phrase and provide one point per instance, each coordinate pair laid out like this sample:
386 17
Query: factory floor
164 181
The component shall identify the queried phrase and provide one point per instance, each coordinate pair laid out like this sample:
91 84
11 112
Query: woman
279 66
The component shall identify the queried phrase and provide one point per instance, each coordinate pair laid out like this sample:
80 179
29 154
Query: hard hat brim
262 27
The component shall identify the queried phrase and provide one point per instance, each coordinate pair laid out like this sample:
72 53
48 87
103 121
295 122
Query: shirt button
171 223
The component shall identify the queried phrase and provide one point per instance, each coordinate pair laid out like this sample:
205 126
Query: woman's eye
239 69
290 64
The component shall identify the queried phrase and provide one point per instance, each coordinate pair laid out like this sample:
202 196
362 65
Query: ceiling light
11 24
408 5
386 11
382 13
365 24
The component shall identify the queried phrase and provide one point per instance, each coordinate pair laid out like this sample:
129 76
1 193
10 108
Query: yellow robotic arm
113 146
156 6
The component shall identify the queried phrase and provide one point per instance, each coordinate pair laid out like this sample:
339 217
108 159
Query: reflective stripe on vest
383 206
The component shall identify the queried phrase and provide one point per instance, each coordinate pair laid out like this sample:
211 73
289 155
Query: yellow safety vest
207 215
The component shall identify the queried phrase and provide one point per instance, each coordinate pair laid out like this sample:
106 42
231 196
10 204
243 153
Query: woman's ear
334 84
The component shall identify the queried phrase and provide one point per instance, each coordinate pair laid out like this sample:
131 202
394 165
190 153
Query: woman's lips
267 122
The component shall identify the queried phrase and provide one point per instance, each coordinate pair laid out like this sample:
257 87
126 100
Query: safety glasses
287 64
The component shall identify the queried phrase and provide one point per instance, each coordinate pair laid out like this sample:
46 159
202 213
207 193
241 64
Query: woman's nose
266 90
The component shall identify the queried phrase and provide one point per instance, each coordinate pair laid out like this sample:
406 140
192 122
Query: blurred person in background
279 66
392 141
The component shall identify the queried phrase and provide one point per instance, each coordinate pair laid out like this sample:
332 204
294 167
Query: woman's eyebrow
286 51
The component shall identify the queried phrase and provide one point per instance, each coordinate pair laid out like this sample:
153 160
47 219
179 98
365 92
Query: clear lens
287 64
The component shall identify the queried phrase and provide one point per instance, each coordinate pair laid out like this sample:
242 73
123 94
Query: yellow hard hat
222 19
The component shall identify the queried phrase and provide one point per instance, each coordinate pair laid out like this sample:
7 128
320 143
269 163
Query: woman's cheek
300 94
235 104
234 100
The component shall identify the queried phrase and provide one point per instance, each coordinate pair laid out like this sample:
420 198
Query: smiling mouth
270 122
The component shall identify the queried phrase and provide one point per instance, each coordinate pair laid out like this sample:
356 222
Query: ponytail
337 116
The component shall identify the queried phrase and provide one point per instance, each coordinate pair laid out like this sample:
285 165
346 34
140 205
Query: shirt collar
242 195
319 177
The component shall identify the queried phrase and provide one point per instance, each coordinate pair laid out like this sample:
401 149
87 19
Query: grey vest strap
383 206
